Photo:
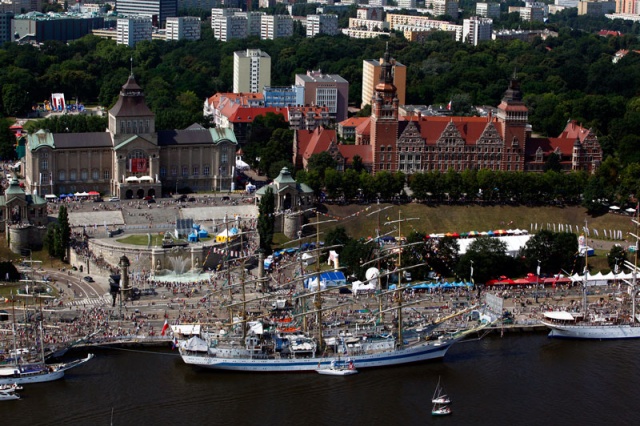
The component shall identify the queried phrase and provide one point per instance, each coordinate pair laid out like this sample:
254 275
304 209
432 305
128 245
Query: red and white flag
449 106
164 327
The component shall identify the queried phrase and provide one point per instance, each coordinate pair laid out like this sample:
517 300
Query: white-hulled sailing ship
266 346
594 324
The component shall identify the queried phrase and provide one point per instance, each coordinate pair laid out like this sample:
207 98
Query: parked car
88 279
115 199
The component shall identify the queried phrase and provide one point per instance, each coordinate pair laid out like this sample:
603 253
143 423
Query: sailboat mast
586 273
400 339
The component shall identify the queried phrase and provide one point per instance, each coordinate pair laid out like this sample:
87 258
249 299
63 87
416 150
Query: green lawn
143 239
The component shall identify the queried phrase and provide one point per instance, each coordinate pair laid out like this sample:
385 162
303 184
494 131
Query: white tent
51 197
359 286
145 179
131 179
241 165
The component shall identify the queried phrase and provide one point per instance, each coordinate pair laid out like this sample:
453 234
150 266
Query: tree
616 257
320 163
62 239
266 220
489 258
7 141
556 251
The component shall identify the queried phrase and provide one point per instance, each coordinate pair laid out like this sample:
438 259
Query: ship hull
39 378
596 332
431 351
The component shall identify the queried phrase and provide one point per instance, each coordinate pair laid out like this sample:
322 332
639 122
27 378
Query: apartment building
275 26
476 29
488 10
322 24
251 71
183 28
132 30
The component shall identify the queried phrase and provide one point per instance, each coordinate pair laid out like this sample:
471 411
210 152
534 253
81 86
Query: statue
158 266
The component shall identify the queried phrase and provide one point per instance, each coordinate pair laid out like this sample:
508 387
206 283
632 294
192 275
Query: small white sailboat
7 395
439 397
440 402
339 368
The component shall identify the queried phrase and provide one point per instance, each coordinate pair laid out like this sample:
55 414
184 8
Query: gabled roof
364 151
469 128
314 142
364 128
353 121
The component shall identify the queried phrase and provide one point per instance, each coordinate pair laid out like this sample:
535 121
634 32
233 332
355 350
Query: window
195 171
95 174
205 170
44 165
72 175
84 174
185 171
62 175
163 172
106 175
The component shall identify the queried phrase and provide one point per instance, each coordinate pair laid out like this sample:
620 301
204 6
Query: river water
514 380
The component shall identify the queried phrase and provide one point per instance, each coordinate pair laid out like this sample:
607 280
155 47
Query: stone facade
130 159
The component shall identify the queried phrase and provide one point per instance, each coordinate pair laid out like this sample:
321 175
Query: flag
164 327
449 105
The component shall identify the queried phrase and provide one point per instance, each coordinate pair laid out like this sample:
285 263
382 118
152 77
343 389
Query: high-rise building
227 27
322 24
476 29
275 26
183 28
5 26
488 10
132 30
251 71
371 70
445 7
158 10
328 90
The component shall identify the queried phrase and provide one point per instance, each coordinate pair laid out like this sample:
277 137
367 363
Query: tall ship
594 322
277 343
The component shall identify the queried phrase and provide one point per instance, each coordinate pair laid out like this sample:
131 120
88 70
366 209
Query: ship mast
398 267
586 273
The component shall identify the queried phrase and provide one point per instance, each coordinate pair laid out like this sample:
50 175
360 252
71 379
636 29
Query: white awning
50 196
559 315
131 179
145 179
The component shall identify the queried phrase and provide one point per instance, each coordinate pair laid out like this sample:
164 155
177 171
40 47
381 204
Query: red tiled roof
353 121
319 142
247 114
350 151
470 128
574 131
364 128
239 98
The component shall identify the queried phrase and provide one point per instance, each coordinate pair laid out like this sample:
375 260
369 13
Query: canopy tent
94 193
187 330
131 179
327 279
50 196
227 234
145 179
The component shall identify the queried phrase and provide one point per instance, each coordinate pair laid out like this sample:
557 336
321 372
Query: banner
138 165
57 101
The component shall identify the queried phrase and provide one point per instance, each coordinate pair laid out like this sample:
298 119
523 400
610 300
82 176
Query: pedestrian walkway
91 301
